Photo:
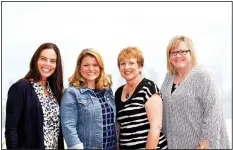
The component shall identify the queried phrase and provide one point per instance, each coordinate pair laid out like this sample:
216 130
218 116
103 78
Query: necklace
127 95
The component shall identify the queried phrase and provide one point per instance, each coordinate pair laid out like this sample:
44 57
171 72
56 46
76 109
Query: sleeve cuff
77 146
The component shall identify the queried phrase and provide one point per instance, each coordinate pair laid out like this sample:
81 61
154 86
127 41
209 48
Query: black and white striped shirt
132 117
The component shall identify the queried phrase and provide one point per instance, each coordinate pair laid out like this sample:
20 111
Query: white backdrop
111 26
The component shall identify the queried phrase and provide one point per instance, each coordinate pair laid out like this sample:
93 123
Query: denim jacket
81 117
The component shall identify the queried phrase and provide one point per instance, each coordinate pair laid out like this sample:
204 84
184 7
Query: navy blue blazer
24 118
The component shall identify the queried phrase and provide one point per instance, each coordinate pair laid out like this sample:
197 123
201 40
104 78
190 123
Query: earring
140 72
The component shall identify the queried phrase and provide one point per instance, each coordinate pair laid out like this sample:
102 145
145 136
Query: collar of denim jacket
82 90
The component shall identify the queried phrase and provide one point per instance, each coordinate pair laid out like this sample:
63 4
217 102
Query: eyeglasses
181 52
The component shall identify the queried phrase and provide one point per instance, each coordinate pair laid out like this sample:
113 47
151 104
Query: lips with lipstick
45 70
179 60
91 73
127 72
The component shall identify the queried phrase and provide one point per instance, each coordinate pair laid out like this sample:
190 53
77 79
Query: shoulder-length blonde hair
103 82
173 44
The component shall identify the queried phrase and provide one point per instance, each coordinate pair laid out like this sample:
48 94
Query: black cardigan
24 118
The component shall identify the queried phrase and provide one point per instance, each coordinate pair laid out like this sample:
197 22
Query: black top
24 118
132 116
174 86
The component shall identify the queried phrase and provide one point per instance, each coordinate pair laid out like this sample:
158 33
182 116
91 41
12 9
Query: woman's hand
203 145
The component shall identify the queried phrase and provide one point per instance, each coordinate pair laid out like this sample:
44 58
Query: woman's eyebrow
48 58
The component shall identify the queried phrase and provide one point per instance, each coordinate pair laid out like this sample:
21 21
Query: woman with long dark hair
32 109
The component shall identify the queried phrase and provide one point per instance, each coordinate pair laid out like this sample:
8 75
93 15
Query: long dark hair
56 79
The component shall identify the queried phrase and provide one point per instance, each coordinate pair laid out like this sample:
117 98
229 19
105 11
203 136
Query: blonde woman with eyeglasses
192 115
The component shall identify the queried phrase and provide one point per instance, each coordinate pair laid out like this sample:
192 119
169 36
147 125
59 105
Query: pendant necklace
127 95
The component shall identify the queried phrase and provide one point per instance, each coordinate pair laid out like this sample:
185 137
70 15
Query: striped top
132 117
192 113
109 131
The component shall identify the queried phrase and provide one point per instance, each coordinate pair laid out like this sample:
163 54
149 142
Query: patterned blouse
109 132
51 115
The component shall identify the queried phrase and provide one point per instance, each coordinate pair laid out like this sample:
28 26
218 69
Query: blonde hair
103 82
131 52
175 41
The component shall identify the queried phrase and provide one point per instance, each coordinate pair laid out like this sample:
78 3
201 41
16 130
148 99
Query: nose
47 62
178 55
91 67
127 66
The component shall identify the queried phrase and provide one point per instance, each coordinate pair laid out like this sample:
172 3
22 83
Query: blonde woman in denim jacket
88 107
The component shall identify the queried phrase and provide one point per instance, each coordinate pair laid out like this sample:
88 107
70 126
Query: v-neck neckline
135 91
181 83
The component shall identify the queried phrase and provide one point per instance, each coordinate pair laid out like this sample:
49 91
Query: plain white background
111 26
